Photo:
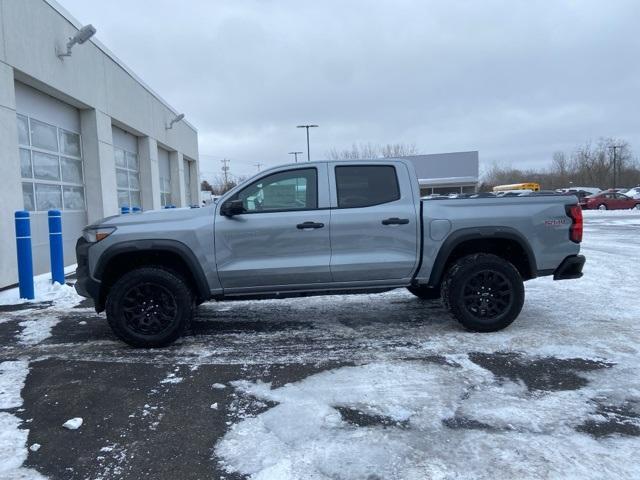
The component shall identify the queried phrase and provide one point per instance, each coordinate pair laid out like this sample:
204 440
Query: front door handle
395 221
305 225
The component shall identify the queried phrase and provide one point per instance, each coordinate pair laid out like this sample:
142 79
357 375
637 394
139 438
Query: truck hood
154 216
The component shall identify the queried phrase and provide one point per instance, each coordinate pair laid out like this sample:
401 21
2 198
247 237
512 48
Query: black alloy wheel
149 309
487 294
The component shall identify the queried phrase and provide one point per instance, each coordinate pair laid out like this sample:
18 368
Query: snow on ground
406 412
458 418
62 296
38 329
13 437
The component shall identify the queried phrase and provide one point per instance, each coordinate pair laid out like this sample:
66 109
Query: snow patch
12 378
73 423
172 378
62 296
13 439
452 422
36 330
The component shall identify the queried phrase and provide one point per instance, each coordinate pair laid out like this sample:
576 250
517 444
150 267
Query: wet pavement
161 413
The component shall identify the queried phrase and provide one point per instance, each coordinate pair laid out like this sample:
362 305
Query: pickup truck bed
322 228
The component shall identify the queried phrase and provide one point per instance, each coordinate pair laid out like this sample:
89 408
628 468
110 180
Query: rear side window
366 185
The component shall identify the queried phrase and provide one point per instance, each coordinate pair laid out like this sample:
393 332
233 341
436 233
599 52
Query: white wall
90 93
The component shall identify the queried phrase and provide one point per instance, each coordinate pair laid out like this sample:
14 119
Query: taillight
575 231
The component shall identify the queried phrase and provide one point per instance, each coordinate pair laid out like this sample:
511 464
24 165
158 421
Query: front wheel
602 207
149 307
483 292
637 206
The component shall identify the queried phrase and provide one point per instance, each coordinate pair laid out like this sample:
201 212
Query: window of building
290 190
127 177
366 185
50 166
187 182
165 177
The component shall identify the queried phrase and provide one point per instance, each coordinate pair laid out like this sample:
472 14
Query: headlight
95 234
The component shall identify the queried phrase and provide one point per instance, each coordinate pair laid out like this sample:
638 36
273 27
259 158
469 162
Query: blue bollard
124 209
56 252
136 209
25 259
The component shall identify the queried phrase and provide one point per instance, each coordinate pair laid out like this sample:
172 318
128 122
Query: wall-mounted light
84 34
174 121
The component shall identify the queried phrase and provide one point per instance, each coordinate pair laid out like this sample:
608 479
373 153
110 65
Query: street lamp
307 127
81 36
614 148
296 154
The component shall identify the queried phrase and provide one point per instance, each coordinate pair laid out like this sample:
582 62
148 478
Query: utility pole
225 172
307 127
615 148
296 154
258 165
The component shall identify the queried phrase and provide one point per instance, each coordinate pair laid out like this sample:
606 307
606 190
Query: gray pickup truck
324 228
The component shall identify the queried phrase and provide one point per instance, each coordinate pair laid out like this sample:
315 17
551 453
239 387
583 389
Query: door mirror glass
231 208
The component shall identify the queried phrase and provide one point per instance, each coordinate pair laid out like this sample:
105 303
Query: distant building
443 173
81 134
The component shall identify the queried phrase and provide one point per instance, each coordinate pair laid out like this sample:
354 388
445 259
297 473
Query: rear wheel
483 292
637 206
425 293
149 307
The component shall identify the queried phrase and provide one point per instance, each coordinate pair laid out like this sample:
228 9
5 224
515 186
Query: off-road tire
456 282
425 293
164 287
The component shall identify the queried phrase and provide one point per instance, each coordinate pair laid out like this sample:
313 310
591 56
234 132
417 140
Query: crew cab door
374 222
282 236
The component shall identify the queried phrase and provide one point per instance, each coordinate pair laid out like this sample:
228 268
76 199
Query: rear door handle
305 225
395 221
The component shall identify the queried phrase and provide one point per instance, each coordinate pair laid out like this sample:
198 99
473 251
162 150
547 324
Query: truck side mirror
232 207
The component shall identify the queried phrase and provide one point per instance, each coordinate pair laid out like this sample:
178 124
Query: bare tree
590 165
370 150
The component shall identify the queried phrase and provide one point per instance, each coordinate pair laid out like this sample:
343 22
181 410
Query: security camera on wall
84 34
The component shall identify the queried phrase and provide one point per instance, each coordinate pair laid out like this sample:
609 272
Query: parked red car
609 201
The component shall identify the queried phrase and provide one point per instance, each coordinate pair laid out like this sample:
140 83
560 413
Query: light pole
296 154
307 127
614 148
225 172
259 165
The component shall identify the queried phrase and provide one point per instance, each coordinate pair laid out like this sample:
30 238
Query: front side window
366 185
290 190
50 166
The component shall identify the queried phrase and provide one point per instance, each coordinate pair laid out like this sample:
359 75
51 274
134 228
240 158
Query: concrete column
178 197
149 173
195 182
11 191
99 164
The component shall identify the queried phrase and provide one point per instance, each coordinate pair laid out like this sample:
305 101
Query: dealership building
444 173
80 133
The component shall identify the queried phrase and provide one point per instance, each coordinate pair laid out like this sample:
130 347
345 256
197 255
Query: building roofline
64 13
442 153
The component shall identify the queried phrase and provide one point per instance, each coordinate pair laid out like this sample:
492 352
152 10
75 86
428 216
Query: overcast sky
516 80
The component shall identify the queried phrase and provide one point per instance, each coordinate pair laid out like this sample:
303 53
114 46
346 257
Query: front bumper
570 268
86 285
